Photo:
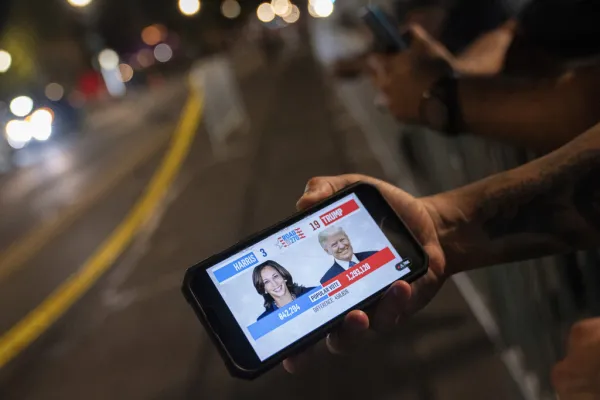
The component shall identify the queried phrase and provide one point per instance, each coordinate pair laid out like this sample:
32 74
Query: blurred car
30 121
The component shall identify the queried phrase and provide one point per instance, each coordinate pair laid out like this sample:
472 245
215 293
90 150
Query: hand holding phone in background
403 67
403 77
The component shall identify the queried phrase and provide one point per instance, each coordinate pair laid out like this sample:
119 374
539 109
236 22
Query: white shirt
346 264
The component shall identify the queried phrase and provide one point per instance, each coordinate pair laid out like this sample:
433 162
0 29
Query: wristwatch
440 108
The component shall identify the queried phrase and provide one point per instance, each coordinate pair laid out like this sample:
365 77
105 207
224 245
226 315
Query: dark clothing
569 29
271 307
466 19
337 269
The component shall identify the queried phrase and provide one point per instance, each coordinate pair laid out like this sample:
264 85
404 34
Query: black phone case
311 338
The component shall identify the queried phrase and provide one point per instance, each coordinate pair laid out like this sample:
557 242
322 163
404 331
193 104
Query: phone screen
298 279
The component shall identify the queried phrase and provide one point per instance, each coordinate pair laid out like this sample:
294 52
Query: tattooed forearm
561 196
549 206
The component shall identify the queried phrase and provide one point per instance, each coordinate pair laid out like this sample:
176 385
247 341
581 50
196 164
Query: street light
21 106
109 67
320 8
152 35
79 3
5 61
189 7
293 16
54 91
163 52
108 59
281 7
265 12
126 72
231 9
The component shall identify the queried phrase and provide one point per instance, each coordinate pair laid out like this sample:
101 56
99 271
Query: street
131 334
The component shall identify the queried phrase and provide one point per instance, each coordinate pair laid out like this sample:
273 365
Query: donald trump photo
336 243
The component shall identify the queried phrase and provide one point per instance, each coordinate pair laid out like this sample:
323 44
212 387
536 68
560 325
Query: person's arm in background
546 207
541 113
430 14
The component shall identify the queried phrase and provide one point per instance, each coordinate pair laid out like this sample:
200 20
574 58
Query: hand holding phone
283 289
401 299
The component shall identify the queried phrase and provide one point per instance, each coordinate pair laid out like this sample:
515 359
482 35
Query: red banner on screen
361 270
339 212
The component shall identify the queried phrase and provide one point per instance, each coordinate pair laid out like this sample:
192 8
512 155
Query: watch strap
445 90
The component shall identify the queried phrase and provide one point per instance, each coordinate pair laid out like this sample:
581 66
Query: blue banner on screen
284 314
236 266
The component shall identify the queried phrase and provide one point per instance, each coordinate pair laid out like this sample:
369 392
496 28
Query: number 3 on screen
263 252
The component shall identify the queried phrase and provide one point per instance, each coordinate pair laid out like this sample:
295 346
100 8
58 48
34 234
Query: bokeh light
189 7
321 8
145 58
151 35
15 144
231 9
40 124
108 59
163 52
79 3
126 72
42 115
281 7
54 91
292 16
21 106
5 61
265 12
18 133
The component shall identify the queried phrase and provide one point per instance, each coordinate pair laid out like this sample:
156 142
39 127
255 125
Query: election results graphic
288 239
298 279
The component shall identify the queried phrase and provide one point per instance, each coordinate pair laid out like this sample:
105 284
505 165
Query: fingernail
357 328
331 345
307 188
289 366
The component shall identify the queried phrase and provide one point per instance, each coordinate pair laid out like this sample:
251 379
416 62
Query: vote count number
355 273
288 312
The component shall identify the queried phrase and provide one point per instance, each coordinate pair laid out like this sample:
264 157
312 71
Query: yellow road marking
18 253
54 306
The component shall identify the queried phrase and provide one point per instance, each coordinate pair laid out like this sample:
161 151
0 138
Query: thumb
320 188
425 47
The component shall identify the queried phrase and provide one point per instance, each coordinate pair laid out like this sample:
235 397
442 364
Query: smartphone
281 290
384 29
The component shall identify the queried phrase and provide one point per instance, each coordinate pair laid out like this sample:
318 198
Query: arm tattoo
554 204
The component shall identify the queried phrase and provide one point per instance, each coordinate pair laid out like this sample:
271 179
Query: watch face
436 114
